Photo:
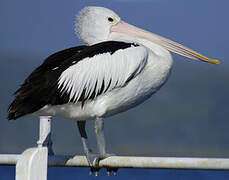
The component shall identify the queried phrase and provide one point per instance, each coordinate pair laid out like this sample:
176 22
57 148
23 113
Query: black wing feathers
39 85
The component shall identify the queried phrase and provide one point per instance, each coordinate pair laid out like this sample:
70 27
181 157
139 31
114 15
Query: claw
94 170
95 163
115 171
93 160
90 173
109 171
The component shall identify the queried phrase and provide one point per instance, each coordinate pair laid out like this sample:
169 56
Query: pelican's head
94 24
98 24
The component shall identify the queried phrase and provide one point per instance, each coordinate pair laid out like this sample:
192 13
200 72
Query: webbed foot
93 160
109 169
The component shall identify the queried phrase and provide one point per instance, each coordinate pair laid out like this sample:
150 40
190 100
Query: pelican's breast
140 88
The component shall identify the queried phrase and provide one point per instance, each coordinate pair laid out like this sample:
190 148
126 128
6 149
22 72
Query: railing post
33 163
45 134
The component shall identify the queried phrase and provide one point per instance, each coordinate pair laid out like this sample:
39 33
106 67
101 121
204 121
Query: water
67 173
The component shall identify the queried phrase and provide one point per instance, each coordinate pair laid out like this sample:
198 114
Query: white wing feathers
113 71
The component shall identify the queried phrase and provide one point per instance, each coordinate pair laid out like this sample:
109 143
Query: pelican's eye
111 20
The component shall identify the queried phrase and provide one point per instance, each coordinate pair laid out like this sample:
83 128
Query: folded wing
101 73
78 74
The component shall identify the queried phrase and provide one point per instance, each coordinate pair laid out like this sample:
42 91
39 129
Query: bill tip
217 62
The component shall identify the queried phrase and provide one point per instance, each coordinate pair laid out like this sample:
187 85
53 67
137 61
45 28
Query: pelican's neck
164 59
155 48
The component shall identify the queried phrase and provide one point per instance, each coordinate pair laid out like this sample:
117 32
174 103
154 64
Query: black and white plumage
119 67
39 88
58 79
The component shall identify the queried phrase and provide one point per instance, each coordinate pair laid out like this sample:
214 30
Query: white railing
33 163
126 161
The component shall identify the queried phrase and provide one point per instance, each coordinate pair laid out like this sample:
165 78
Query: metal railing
129 162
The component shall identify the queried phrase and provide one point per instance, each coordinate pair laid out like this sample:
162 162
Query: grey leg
91 158
83 134
99 132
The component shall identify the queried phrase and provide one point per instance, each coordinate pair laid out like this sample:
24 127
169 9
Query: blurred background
187 117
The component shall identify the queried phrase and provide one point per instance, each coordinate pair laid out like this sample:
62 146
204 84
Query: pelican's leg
99 131
91 158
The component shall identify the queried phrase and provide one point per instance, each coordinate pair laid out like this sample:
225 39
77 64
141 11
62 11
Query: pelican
118 67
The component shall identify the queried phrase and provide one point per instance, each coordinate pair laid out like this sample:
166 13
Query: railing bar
130 162
9 159
147 162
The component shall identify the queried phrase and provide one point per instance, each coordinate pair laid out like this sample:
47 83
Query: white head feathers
93 25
